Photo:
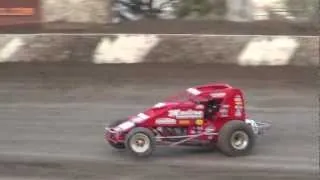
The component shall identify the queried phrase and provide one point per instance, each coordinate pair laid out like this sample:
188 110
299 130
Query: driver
212 108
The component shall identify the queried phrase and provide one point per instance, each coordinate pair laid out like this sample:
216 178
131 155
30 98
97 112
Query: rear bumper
263 127
259 128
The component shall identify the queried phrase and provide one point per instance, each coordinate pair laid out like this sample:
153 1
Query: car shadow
167 152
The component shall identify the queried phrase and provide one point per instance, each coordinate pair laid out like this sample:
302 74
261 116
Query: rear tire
140 142
236 138
113 144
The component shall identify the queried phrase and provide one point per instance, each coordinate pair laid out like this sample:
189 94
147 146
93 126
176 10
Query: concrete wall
109 48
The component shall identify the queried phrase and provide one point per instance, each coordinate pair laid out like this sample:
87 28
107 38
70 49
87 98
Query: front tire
140 142
236 138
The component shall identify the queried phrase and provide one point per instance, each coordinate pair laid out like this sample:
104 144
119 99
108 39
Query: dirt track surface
52 119
174 27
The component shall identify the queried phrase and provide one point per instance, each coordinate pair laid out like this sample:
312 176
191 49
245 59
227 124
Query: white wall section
125 49
268 51
10 49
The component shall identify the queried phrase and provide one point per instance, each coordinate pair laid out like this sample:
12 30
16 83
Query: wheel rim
140 143
239 140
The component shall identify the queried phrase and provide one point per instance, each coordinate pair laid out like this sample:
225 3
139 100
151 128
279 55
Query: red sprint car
210 114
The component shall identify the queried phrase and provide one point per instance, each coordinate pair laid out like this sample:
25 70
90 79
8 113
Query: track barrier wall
142 48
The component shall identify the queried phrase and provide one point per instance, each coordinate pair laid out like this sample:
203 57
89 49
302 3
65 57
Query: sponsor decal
238 106
224 110
159 105
143 116
238 113
166 121
194 91
199 122
126 125
140 118
192 131
210 129
218 95
184 122
179 114
237 100
200 106
238 110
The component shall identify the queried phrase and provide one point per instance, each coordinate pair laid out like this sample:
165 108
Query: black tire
113 124
147 135
117 145
228 134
